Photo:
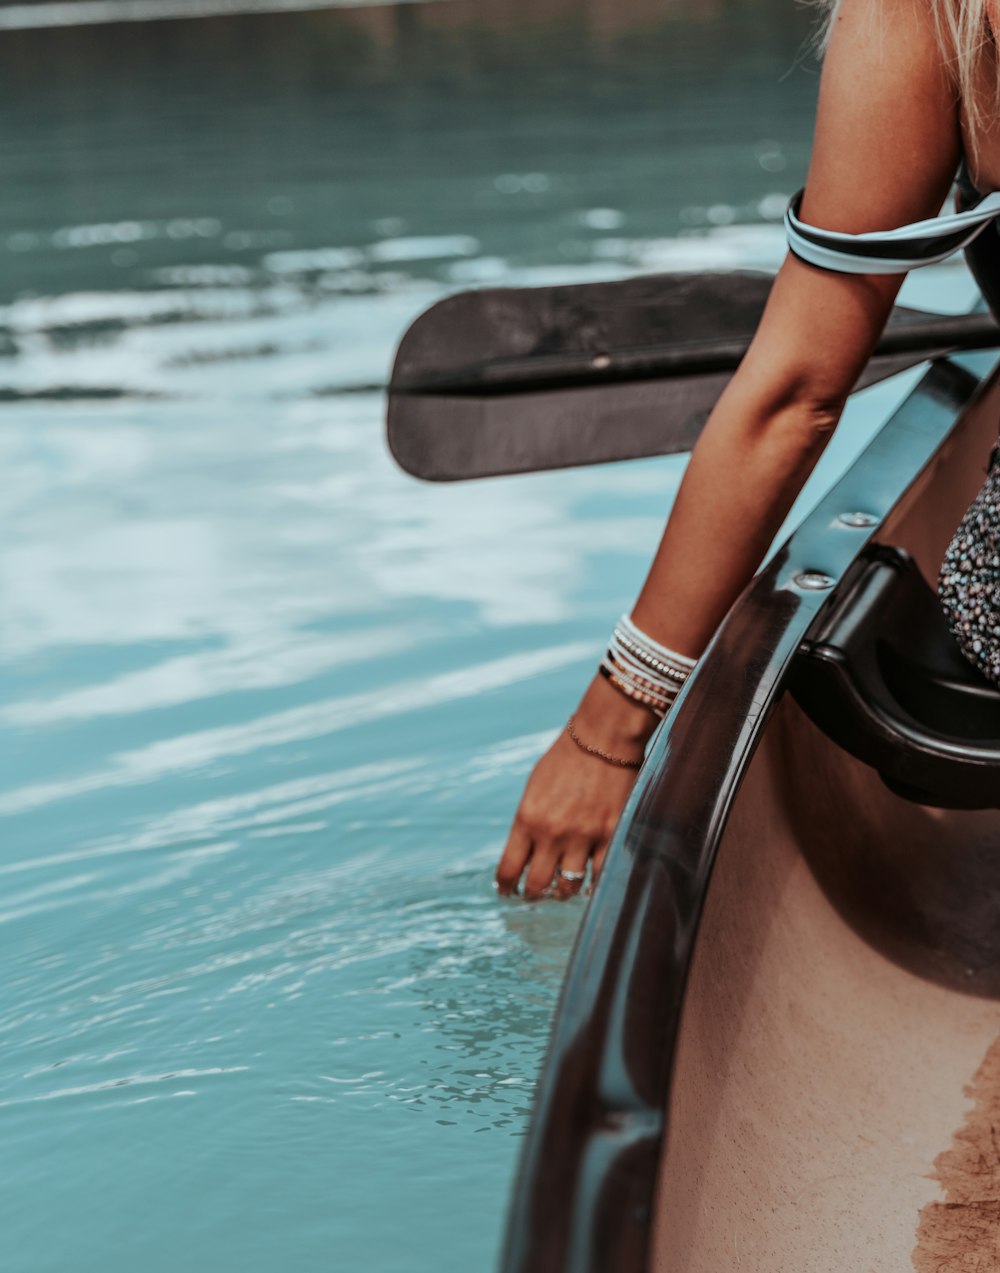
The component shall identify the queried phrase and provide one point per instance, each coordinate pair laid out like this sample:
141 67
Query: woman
908 88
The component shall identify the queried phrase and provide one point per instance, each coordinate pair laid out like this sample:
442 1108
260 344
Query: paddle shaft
939 335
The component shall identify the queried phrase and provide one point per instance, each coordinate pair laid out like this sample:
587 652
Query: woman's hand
573 800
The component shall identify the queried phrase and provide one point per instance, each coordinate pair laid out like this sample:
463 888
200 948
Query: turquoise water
267 705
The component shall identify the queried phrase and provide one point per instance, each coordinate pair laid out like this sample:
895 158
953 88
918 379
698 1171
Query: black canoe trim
584 1191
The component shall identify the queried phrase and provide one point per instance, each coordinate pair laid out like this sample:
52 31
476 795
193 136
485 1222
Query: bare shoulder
888 135
891 31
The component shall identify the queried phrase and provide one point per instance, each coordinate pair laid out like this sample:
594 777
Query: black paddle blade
517 380
445 423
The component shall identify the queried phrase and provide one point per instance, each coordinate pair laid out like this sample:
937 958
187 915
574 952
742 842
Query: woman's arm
886 148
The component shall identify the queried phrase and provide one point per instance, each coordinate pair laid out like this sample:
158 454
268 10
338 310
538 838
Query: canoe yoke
881 675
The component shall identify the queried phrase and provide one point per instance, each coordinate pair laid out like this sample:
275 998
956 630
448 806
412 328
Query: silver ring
572 877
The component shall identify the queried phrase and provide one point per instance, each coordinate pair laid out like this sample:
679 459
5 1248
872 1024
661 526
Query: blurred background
267 703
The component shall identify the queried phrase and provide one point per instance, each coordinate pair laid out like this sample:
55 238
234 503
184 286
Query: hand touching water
572 800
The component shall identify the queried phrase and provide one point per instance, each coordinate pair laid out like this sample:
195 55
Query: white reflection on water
273 809
249 809
140 522
128 1081
190 751
20 17
258 661
111 541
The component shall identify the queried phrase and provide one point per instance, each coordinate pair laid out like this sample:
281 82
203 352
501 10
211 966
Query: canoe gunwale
584 1191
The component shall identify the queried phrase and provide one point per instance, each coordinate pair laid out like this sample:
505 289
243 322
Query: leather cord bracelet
596 751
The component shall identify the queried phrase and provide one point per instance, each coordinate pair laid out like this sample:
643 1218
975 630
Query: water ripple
130 1080
191 751
260 661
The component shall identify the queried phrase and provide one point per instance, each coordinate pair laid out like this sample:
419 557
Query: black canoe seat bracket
881 675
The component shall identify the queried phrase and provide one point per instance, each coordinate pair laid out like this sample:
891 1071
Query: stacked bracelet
644 670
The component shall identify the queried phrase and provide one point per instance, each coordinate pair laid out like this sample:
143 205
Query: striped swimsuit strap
888 251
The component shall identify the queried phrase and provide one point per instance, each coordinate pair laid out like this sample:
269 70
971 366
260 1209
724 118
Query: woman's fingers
541 869
540 859
566 813
514 858
572 870
597 863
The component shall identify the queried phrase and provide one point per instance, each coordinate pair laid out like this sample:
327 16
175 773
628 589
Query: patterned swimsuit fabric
969 579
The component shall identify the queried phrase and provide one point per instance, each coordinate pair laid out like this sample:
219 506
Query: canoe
778 1043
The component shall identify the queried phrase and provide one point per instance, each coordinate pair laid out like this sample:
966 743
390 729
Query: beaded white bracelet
643 669
654 648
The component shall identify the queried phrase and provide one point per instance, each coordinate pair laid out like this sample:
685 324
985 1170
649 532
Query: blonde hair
966 32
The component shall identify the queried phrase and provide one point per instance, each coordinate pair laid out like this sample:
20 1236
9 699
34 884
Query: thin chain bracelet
596 751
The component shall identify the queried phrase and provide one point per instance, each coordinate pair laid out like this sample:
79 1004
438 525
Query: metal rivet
858 520
814 580
601 362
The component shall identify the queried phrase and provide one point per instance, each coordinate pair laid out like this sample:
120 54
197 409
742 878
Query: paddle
516 380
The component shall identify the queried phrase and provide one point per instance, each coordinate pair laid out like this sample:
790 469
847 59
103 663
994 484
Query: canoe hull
837 1064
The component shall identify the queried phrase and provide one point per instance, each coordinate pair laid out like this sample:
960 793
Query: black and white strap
888 251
